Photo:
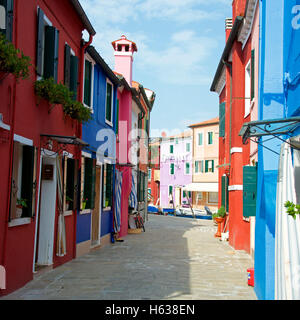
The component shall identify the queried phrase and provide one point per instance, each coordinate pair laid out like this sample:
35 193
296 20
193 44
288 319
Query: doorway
96 213
44 241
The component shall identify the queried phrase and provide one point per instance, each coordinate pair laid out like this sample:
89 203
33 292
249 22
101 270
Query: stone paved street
176 258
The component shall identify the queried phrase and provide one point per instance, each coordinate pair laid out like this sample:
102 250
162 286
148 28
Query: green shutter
109 184
206 165
200 137
51 53
27 184
249 190
252 74
171 148
224 193
87 83
172 168
70 181
212 166
89 182
222 120
108 113
40 40
74 75
188 147
67 65
196 166
170 190
9 16
187 168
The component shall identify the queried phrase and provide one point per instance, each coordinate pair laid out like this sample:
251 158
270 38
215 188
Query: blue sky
179 43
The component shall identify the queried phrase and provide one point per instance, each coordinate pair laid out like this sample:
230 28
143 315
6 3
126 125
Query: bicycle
139 221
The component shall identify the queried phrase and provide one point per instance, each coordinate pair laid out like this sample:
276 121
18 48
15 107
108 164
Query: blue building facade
95 217
279 92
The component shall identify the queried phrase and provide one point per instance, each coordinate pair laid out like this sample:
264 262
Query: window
71 70
141 186
200 139
172 168
249 190
187 168
247 89
188 147
170 190
23 189
88 79
209 165
47 47
109 103
70 183
210 137
107 187
197 166
199 196
252 74
171 148
222 120
213 197
6 18
88 177
149 174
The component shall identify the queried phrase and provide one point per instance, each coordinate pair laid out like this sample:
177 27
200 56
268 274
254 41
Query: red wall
30 121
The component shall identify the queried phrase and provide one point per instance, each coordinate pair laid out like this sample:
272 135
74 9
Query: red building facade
235 82
36 133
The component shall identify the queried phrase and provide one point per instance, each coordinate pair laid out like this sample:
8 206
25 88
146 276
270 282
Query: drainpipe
11 148
79 125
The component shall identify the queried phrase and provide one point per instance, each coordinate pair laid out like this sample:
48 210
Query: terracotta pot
219 221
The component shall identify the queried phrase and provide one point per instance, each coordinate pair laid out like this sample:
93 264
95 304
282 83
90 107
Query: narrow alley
176 258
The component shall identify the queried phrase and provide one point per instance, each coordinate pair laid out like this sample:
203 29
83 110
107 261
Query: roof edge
83 17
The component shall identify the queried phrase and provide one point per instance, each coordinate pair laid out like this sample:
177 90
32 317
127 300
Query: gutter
233 34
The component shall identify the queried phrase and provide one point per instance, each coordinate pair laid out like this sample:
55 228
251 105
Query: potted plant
21 203
219 218
12 60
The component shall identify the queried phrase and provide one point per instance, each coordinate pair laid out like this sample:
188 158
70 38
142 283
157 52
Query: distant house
175 169
154 172
205 148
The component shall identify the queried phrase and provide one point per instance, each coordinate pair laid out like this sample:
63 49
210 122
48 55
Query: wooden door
96 213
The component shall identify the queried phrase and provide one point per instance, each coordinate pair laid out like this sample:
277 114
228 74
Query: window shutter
87 82
28 185
200 139
252 74
13 196
212 166
224 193
9 19
74 75
70 181
172 168
222 120
67 65
249 190
109 185
206 165
171 148
40 40
196 166
89 185
51 53
108 101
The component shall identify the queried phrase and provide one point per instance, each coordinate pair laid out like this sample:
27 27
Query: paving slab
175 259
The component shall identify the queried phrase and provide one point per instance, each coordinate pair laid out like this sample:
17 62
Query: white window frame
247 89
110 123
88 58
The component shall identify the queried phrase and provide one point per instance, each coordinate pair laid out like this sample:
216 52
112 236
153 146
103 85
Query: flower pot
83 205
219 221
19 212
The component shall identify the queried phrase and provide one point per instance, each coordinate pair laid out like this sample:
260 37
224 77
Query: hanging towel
117 206
61 230
133 196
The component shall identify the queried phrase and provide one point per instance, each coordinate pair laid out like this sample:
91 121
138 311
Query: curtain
133 195
117 206
61 231
287 236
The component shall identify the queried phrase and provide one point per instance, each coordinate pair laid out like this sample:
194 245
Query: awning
66 139
202 187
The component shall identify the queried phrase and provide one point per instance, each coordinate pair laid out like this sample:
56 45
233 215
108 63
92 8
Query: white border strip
235 187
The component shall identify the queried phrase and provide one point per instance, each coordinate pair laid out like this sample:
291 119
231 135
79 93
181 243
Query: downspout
11 148
79 130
